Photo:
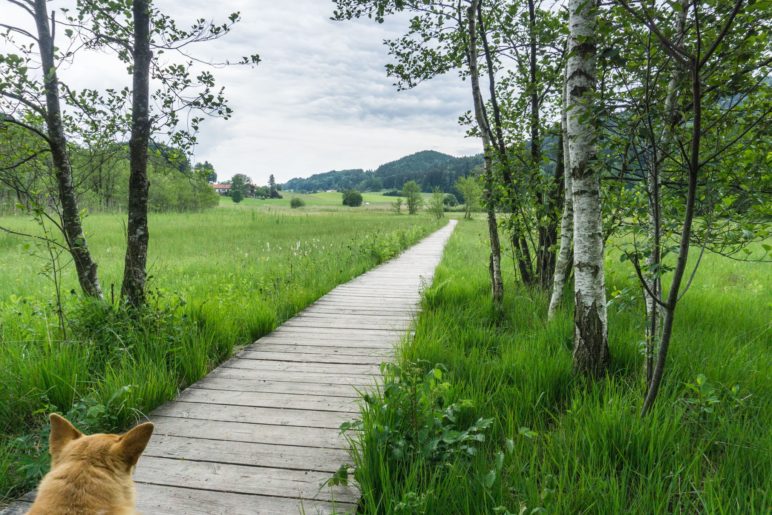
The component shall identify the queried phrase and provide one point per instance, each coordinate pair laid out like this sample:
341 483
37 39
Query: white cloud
320 98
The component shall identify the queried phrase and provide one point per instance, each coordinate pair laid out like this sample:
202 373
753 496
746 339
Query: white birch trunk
591 353
564 255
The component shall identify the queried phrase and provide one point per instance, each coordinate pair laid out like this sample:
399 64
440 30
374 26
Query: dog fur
90 474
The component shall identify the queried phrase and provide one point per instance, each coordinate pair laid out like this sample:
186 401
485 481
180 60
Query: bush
296 202
392 193
412 192
437 204
450 200
352 198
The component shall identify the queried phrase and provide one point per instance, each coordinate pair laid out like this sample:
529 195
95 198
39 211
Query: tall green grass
218 279
543 439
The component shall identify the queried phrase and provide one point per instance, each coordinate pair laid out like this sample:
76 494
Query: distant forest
428 168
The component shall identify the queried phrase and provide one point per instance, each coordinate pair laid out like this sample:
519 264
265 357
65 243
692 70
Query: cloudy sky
320 98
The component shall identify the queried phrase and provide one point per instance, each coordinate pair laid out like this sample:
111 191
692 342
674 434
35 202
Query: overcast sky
320 98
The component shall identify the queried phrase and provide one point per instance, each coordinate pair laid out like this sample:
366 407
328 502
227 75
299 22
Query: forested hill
428 168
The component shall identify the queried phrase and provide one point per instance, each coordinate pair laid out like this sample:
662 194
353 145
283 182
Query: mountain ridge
429 168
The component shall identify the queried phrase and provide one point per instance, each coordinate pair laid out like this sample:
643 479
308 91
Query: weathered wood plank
238 373
300 367
258 385
310 336
284 346
16 508
249 414
241 479
246 453
187 501
311 358
308 326
326 438
269 400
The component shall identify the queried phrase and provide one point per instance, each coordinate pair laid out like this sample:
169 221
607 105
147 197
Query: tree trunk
546 220
686 234
134 272
653 183
494 265
591 353
564 256
72 226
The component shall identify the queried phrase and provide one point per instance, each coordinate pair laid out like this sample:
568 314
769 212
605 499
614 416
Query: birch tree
563 264
591 353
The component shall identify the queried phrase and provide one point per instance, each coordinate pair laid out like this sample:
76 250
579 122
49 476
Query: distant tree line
101 178
241 187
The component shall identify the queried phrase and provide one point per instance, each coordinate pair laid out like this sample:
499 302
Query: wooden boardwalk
260 433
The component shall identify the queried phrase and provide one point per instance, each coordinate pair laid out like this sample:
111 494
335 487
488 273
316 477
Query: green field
218 279
322 201
480 418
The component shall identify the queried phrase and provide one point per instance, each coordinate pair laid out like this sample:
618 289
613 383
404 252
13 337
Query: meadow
218 279
477 417
321 201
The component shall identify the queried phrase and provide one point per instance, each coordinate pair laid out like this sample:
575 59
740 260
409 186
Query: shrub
437 204
296 202
237 196
352 198
412 191
450 200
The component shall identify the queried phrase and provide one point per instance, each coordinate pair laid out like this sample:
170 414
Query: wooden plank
332 323
309 337
249 414
322 438
245 453
258 385
16 508
311 358
311 316
358 310
287 347
152 499
300 367
238 373
269 400
221 477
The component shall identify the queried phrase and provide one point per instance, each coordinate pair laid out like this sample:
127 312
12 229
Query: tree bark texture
134 272
563 264
85 266
591 353
653 293
497 283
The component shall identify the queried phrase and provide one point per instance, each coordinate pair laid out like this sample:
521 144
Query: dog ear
62 433
133 443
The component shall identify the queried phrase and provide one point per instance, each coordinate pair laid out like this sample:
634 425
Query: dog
90 474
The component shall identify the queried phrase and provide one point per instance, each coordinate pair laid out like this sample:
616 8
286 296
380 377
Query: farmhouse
222 188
